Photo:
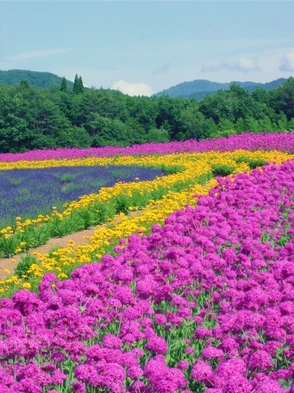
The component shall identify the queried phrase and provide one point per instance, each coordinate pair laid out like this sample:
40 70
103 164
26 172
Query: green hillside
34 78
199 88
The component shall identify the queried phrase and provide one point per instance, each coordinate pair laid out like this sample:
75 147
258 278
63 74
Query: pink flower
160 319
157 345
189 350
259 360
183 365
201 372
237 384
111 341
269 386
212 353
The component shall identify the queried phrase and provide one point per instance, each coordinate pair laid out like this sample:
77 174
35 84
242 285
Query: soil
81 237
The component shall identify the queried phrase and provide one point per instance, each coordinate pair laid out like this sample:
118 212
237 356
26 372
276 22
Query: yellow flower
26 285
62 275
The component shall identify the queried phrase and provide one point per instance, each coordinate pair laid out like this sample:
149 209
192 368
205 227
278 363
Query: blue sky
142 47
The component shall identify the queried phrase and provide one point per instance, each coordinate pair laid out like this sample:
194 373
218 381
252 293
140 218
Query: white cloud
37 53
247 64
244 64
133 89
287 62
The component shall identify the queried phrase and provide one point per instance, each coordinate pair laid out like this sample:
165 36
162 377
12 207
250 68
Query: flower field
194 294
33 191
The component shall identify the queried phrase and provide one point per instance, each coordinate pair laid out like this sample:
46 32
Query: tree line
42 118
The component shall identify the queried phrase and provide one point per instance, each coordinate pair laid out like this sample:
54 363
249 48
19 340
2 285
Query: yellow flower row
195 164
62 260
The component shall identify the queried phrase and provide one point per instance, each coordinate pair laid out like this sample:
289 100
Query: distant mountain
201 87
34 78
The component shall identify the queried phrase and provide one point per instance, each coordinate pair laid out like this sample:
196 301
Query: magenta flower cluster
202 304
262 141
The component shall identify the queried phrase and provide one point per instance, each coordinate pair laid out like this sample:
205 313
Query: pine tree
78 86
81 85
63 86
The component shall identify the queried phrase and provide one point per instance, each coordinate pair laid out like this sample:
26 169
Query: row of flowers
156 198
283 141
203 303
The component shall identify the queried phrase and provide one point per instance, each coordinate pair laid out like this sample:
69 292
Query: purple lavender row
261 141
202 304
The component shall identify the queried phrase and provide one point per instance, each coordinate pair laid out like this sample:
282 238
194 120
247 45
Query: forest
72 116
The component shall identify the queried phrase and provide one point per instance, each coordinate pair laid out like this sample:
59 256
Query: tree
230 104
168 115
81 85
63 86
78 86
157 135
285 98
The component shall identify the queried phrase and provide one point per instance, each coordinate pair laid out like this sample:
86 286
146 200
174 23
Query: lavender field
29 192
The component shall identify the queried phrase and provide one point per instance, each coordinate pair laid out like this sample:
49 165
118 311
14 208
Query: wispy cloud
162 69
133 89
37 54
287 62
242 64
213 65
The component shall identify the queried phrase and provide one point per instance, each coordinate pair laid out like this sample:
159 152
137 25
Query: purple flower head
58 376
259 360
201 372
269 386
237 384
128 359
134 372
231 367
78 387
212 353
138 352
58 357
111 341
189 350
202 332
25 301
160 319
155 368
124 295
87 373
272 346
157 345
26 385
169 383
128 339
124 274
183 365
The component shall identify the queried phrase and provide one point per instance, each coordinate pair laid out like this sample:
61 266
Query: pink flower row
248 141
202 304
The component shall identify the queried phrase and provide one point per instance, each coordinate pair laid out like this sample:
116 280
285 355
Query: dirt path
81 237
